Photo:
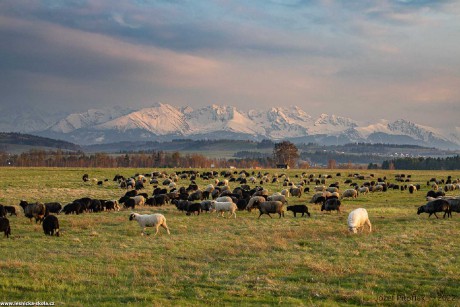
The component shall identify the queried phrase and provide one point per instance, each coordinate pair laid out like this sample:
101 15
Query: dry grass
101 259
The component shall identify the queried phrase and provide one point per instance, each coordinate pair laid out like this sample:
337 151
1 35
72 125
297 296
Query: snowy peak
87 119
161 119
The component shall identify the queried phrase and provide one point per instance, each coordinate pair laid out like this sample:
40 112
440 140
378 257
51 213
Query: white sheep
150 220
221 207
357 219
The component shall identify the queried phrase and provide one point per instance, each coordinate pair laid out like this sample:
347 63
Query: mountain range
164 122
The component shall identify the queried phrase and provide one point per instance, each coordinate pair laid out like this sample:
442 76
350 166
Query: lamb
268 207
331 204
5 226
412 189
150 220
349 193
437 205
357 219
298 209
222 207
51 225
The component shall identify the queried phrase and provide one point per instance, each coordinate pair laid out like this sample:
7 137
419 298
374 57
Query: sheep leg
260 215
157 227
269 215
165 227
435 215
368 222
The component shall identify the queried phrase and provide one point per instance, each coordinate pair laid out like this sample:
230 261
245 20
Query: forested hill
11 139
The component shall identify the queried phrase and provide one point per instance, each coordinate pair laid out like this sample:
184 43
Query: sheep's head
420 210
132 216
353 229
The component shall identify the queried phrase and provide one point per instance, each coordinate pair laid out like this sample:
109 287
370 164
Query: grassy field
101 259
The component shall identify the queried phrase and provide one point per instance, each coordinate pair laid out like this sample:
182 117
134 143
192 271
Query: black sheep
193 208
331 204
10 209
298 209
51 225
2 211
74 207
438 205
53 207
5 226
435 194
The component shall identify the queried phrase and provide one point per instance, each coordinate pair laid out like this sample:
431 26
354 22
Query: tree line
158 159
448 163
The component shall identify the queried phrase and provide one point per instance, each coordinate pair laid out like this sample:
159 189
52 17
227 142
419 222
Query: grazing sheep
357 219
268 207
295 191
286 193
2 211
74 207
10 209
412 189
112 205
363 190
5 226
298 209
221 207
150 220
331 204
317 198
437 205
435 194
192 208
349 193
36 210
51 225
320 188
53 207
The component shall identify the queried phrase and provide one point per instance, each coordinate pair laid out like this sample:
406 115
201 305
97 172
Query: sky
367 60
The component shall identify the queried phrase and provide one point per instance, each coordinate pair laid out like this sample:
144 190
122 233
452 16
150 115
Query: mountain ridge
163 122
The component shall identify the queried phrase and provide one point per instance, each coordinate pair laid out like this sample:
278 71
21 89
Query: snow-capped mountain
87 119
25 120
166 122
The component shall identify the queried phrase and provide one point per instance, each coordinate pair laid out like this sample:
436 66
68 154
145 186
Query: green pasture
101 259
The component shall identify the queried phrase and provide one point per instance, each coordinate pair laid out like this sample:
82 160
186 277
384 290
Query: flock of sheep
218 197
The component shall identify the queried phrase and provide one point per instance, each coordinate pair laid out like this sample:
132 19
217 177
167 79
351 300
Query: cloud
344 57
